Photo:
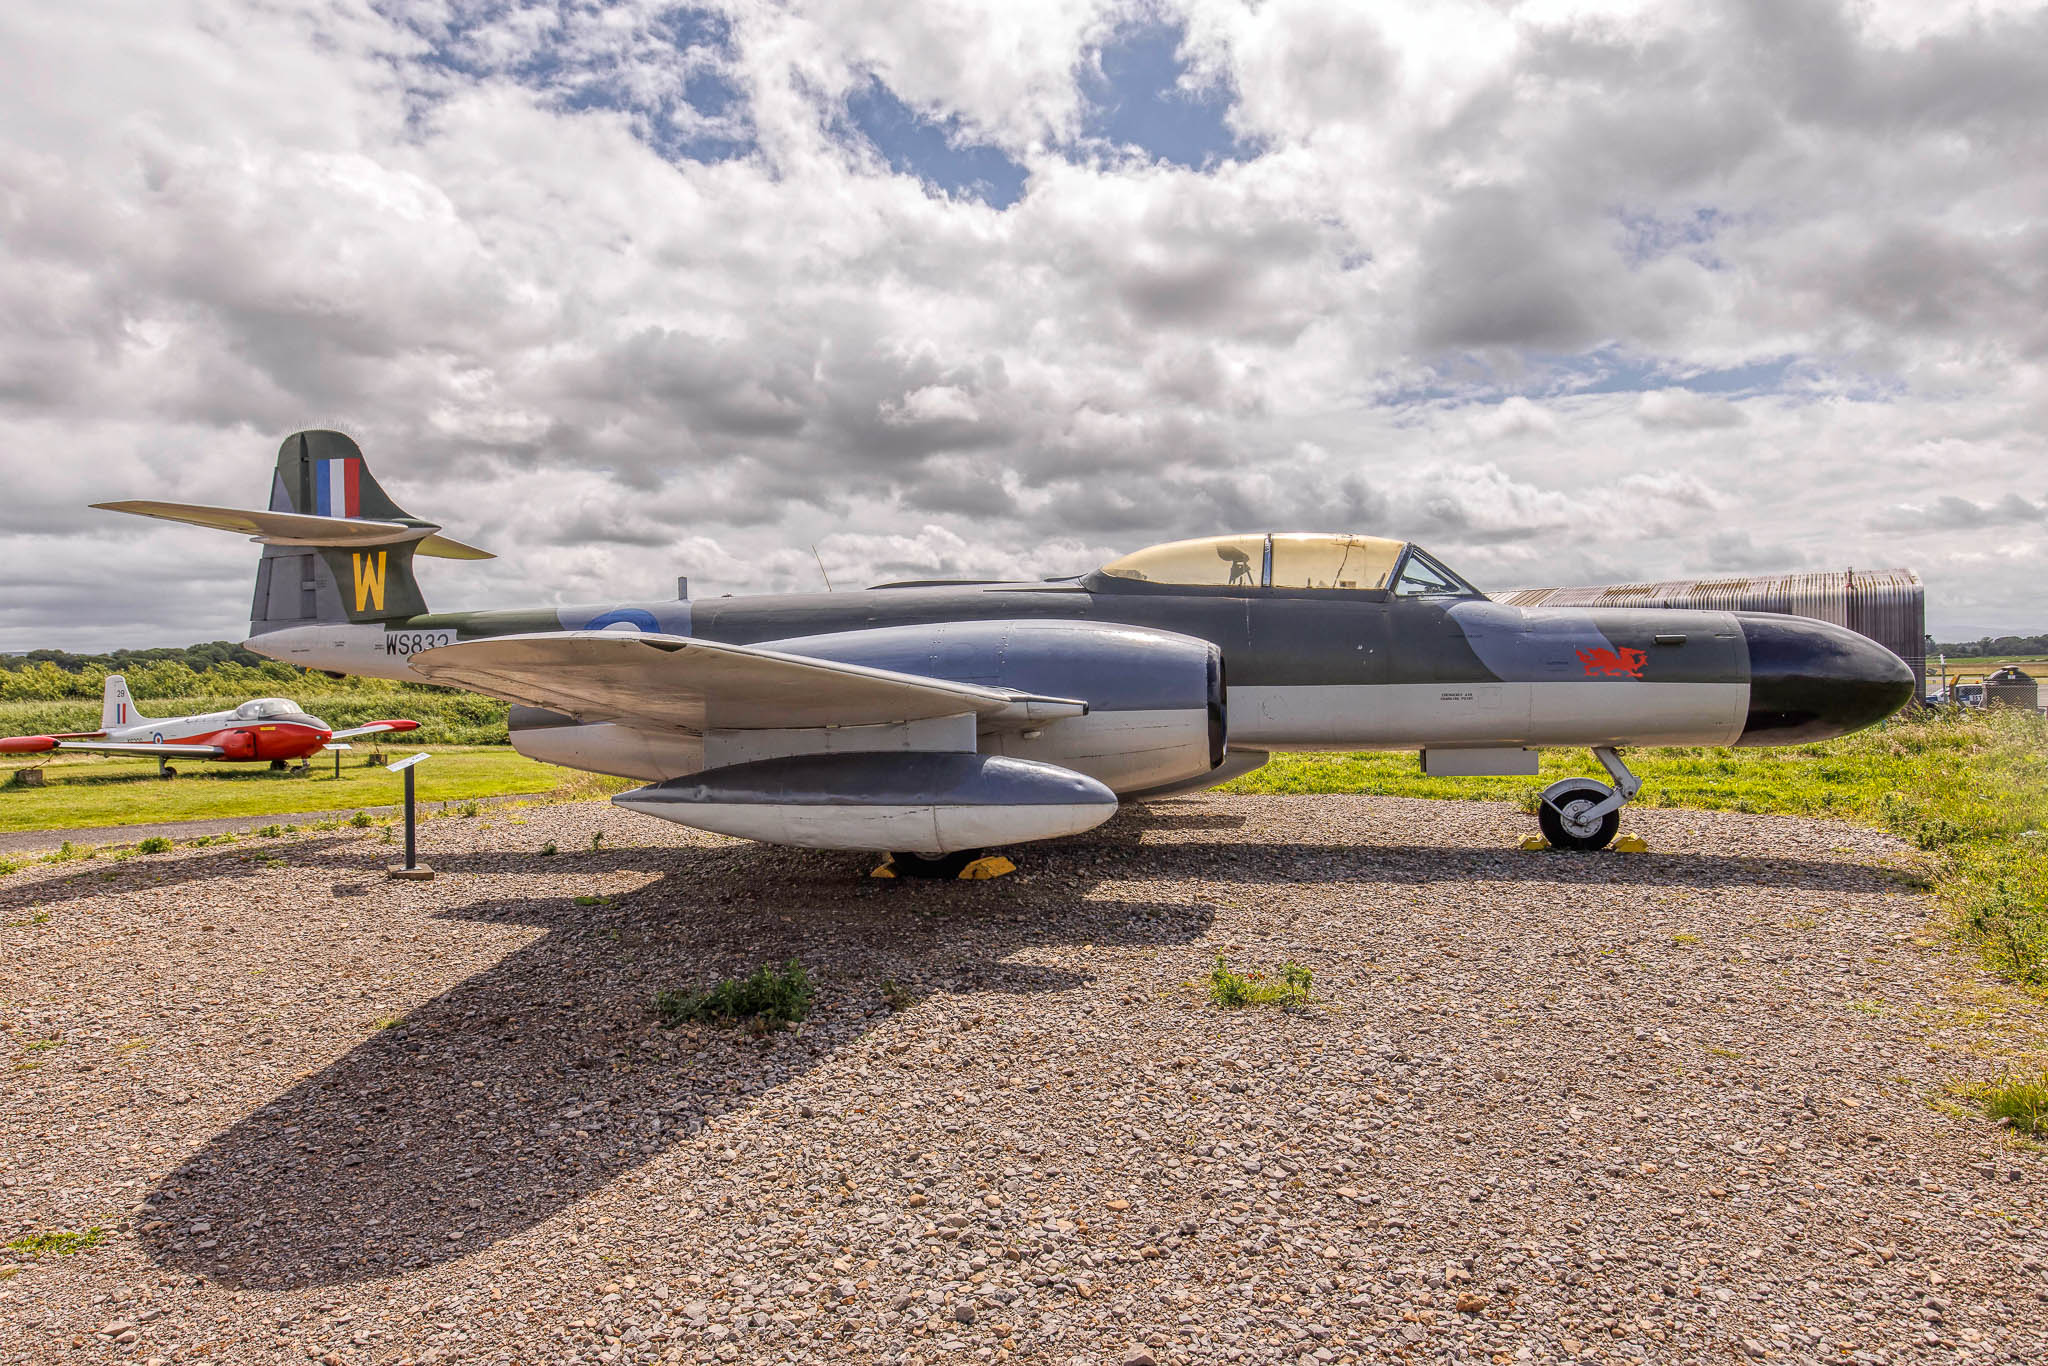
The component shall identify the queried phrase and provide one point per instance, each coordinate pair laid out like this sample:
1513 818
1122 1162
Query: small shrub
548 850
272 832
8 865
58 1242
770 998
67 851
471 808
155 844
2020 1101
362 820
1231 988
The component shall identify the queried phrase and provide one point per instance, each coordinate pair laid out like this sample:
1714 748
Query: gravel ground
1663 1107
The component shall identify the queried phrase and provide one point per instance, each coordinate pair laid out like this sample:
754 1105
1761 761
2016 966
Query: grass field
85 791
1972 789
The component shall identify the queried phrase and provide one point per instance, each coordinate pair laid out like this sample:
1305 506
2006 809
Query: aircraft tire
277 765
167 772
944 866
1550 817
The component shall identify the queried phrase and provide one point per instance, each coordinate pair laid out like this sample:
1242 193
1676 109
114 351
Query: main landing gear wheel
925 865
969 865
166 771
1584 813
1567 818
277 765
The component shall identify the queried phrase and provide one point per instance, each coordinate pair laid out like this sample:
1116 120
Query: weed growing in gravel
593 901
67 851
1685 938
1230 988
39 918
2020 1101
770 998
548 850
896 996
391 1022
471 808
155 844
597 841
58 1242
362 820
271 832
8 865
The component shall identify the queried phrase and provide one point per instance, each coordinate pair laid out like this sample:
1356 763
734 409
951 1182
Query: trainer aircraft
937 719
272 729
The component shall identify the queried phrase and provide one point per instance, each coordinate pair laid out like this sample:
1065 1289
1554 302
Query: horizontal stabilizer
300 528
678 682
370 728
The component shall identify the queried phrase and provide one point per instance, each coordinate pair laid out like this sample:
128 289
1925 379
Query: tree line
1993 647
216 666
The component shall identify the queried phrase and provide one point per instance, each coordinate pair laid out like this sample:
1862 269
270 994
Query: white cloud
466 236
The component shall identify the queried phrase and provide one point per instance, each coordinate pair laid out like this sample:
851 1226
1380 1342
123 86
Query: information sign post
414 870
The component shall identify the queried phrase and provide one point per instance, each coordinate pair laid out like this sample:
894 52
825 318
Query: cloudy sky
1569 292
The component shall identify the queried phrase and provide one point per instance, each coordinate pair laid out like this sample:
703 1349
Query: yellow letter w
369 580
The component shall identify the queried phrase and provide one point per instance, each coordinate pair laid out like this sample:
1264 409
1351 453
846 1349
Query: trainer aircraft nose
1809 680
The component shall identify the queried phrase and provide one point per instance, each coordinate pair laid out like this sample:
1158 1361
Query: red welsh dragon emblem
1617 663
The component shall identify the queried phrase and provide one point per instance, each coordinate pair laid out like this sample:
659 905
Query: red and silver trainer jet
272 729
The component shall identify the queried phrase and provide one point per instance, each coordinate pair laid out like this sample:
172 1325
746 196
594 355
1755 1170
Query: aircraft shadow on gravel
534 1083
106 875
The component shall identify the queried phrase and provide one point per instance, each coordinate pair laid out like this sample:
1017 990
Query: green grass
1228 987
770 998
2020 1100
88 791
57 1242
1970 788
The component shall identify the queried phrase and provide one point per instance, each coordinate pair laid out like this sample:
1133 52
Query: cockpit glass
1310 560
1215 561
1422 577
266 706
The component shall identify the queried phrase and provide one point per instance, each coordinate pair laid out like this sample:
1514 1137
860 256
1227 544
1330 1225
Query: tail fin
117 708
335 546
323 474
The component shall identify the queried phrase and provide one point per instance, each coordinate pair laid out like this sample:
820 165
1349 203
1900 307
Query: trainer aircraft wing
690 684
369 728
43 744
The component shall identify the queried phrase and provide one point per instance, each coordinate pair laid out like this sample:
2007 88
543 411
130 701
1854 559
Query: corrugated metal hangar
1888 605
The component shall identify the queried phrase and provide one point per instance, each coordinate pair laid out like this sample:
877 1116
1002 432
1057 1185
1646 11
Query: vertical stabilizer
321 473
117 708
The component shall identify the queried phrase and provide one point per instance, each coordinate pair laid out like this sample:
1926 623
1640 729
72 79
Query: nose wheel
1584 813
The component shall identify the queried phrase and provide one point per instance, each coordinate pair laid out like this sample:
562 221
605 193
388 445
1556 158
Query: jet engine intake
1158 710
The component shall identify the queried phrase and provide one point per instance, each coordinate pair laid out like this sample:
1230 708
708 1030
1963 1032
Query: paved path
34 841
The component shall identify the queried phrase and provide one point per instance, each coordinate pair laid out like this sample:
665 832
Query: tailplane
335 545
117 708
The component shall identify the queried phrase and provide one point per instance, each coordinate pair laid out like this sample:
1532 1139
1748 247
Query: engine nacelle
1156 701
238 744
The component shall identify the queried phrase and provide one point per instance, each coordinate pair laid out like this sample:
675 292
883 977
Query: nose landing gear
1583 813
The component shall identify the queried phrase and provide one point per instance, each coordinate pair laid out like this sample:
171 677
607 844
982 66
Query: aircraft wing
43 744
689 684
369 728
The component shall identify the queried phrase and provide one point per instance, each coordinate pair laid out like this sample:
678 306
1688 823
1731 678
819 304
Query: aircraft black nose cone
1809 680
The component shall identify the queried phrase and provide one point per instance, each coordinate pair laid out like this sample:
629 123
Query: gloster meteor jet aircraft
936 719
265 728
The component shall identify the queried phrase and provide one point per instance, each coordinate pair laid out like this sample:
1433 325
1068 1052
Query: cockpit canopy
1293 560
265 708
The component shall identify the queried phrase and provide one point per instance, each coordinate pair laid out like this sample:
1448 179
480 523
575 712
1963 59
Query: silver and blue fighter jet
940 719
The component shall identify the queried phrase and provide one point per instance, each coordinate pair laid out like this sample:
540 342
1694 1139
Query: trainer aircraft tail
117 708
335 546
